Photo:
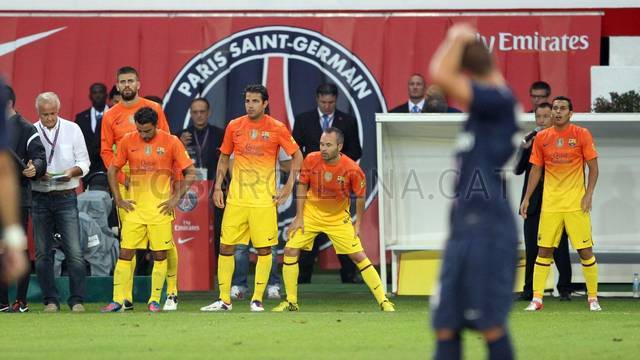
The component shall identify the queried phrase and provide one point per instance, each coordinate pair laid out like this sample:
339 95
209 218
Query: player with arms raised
479 262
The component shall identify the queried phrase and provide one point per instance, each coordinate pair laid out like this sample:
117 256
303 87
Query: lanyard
198 146
53 144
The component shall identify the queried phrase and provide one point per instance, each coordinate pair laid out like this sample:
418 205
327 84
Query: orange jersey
330 187
118 121
255 146
563 155
151 165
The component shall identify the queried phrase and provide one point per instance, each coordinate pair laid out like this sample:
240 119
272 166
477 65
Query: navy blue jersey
4 138
483 148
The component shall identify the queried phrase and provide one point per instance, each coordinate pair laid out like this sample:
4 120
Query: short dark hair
418 75
114 92
542 105
127 70
98 84
256 89
564 98
146 115
540 85
476 58
327 89
11 95
201 99
338 132
154 98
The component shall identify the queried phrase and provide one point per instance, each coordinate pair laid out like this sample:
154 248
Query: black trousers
307 260
560 256
23 282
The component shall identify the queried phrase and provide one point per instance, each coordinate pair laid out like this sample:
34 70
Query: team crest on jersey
572 142
340 180
265 135
301 59
559 142
160 150
253 134
328 176
148 150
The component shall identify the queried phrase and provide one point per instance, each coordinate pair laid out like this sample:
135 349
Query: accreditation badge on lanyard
201 171
52 143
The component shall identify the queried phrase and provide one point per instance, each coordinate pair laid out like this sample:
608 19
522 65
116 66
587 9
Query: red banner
370 58
194 240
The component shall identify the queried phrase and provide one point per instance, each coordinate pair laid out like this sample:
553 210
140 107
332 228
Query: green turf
336 322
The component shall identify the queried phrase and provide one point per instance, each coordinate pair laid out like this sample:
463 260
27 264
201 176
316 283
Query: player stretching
153 156
479 262
251 211
563 151
327 180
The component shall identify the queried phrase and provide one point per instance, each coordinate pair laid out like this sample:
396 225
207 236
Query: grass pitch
335 322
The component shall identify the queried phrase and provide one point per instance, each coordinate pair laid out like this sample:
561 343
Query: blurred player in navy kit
479 261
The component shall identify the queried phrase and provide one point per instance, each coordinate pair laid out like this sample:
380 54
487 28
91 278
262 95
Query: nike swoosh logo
11 46
185 240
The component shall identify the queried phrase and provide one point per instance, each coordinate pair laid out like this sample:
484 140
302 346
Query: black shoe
4 307
128 305
525 297
565 296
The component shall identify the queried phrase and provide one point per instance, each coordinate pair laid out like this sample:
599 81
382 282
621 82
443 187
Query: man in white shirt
54 206
416 89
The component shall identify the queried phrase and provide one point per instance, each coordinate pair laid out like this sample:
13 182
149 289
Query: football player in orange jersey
327 180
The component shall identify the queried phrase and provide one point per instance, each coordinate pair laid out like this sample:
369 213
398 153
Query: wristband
14 237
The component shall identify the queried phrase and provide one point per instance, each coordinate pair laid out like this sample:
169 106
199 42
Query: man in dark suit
89 122
437 102
308 126
307 130
416 102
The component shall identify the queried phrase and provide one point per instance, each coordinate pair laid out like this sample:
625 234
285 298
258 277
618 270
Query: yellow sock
172 271
128 284
158 275
122 276
263 268
590 271
290 272
540 274
372 279
226 266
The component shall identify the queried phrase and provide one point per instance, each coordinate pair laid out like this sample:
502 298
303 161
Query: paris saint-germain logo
291 62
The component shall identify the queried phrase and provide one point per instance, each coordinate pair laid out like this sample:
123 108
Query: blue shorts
476 280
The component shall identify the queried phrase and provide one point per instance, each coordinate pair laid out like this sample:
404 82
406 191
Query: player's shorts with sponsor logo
342 235
258 224
156 237
576 223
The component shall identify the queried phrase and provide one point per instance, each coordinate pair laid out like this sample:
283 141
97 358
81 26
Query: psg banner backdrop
368 56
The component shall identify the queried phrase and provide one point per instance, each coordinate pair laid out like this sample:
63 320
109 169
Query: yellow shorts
157 237
342 235
577 224
258 224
